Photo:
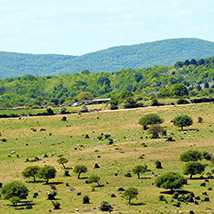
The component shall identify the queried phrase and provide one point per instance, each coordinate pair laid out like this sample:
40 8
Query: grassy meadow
32 137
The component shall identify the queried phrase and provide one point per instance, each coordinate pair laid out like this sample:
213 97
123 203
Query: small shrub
162 198
64 118
170 139
96 166
79 193
105 206
56 205
113 195
86 136
203 184
200 119
120 189
206 199
66 173
206 155
182 101
128 175
86 200
158 165
175 195
35 195
51 194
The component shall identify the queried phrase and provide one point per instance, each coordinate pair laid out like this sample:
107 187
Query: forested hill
196 75
165 52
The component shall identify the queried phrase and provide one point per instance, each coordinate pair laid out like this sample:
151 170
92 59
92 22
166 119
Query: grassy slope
121 157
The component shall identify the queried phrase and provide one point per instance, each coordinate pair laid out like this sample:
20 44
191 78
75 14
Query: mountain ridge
162 52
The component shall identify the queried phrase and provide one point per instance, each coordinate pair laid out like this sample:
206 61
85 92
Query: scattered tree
170 180
130 193
31 171
80 169
14 188
191 155
192 168
179 89
150 119
47 172
62 161
140 169
84 96
181 121
155 130
14 200
94 178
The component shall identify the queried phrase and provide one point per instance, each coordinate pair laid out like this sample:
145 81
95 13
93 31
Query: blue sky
76 27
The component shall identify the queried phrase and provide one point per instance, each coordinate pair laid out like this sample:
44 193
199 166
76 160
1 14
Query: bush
162 198
51 194
182 101
113 195
105 206
207 155
14 188
66 173
158 165
56 205
96 166
86 200
191 155
84 108
175 195
64 118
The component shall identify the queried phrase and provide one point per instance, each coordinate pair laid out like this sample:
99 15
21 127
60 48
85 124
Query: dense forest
165 52
28 90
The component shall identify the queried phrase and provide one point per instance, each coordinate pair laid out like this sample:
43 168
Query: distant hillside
28 90
165 52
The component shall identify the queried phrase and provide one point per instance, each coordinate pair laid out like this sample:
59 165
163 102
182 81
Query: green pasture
32 137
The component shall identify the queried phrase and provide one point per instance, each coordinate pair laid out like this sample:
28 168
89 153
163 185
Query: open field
33 137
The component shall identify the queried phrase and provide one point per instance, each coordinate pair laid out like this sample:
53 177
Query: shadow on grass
204 178
36 182
137 204
83 178
183 192
98 186
54 183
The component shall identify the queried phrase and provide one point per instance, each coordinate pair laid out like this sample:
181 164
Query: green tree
155 130
150 119
84 96
79 169
193 167
140 169
47 172
62 161
31 171
170 180
14 200
94 179
183 120
130 194
191 155
14 188
179 89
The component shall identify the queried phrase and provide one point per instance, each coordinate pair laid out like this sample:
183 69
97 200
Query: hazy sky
77 27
